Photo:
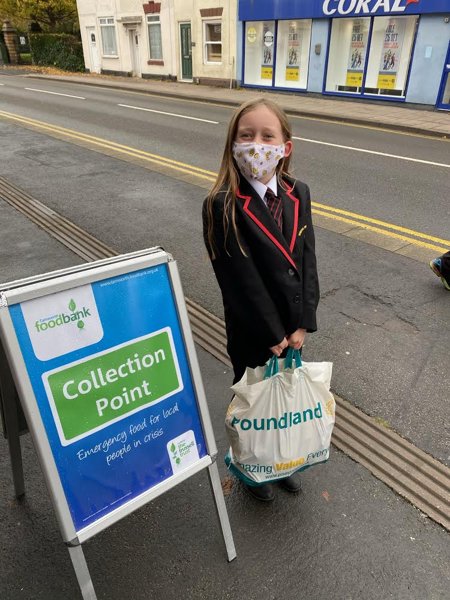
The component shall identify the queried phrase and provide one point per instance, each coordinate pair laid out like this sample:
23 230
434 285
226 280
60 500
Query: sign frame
19 291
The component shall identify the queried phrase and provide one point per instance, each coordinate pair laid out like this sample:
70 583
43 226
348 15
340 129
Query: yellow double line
101 143
408 236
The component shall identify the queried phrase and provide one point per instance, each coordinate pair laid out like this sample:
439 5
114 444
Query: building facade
395 50
188 40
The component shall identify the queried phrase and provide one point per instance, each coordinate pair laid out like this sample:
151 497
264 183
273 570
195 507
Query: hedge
57 50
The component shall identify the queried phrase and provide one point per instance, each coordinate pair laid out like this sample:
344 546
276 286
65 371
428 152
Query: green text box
109 385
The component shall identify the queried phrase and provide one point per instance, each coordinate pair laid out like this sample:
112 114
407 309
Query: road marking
352 148
161 112
326 119
134 152
2 84
381 227
391 234
347 213
54 93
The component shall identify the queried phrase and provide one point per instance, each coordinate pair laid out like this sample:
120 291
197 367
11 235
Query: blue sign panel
110 374
265 10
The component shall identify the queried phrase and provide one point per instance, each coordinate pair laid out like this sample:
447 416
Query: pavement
347 536
420 119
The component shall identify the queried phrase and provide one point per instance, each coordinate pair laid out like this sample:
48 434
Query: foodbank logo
174 452
74 315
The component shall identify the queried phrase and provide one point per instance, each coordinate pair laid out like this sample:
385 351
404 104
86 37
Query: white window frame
108 22
207 43
152 21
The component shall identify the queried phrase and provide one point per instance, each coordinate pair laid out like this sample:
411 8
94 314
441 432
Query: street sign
104 363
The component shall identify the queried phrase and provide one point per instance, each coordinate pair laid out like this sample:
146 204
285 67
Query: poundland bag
280 419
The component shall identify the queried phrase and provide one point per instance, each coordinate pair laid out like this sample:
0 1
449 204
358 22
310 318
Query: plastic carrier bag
280 419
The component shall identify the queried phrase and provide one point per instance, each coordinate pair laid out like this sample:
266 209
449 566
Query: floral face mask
257 160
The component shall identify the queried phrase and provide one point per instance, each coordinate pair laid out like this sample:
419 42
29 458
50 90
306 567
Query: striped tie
275 207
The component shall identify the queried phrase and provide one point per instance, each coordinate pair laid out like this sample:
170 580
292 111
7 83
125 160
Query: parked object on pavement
441 267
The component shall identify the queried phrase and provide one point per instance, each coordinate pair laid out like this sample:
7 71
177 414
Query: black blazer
273 289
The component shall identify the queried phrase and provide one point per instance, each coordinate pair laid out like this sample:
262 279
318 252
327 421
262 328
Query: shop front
377 49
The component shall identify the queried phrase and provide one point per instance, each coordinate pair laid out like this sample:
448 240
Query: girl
259 236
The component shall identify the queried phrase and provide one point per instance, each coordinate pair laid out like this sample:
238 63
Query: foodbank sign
75 316
72 324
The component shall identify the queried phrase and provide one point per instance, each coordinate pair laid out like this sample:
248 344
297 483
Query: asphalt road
384 321
404 192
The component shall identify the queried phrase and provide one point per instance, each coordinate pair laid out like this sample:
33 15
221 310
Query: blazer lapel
291 214
255 209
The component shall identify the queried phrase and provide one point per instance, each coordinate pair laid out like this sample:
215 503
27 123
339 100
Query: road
384 321
339 162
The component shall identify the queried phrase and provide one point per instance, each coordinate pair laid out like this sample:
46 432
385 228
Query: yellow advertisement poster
386 82
292 74
391 54
266 72
354 78
357 53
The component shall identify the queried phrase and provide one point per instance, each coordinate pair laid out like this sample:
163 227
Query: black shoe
263 492
292 484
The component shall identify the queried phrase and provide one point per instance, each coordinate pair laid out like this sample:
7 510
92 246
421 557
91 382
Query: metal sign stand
10 402
82 572
14 374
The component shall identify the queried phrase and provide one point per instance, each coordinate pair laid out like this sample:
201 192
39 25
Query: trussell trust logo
62 322
75 316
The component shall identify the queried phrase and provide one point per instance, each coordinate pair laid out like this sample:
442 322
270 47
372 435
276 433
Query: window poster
357 54
391 53
267 53
293 53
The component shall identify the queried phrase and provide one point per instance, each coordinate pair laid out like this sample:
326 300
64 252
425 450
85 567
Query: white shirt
261 188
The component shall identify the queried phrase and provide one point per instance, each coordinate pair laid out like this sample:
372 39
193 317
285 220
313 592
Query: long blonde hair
228 176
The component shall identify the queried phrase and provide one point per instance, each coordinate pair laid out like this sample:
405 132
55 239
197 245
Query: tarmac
420 119
346 537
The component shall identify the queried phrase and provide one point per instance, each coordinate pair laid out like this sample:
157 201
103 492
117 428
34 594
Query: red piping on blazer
266 231
294 231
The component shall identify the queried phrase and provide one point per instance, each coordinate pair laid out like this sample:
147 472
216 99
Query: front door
444 92
186 51
93 50
135 54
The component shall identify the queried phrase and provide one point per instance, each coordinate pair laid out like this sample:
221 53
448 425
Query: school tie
275 207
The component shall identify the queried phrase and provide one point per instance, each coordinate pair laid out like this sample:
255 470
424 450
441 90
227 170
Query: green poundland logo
75 315
90 394
287 420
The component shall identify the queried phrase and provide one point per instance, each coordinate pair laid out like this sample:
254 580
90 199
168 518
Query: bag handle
293 355
273 366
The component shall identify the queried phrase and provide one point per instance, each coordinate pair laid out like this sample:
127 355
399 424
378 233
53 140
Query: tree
52 15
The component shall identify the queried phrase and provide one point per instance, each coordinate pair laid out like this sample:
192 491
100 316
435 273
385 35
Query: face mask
257 160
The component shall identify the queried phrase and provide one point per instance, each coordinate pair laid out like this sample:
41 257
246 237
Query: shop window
108 32
347 55
154 37
293 43
212 35
259 53
390 55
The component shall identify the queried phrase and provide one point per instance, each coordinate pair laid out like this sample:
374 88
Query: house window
154 37
212 41
108 30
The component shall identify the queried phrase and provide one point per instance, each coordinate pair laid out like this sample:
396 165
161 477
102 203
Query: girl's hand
296 339
278 349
